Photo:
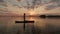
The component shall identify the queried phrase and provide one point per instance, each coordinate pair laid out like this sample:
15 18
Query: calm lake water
40 26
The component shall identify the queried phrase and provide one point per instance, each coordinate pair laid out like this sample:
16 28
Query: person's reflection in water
31 28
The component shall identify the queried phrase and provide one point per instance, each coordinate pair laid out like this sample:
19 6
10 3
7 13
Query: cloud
53 5
20 7
56 1
18 0
1 1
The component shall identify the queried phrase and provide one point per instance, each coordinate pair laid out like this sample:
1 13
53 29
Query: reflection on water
41 26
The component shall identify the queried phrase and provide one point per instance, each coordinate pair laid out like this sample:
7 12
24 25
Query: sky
29 6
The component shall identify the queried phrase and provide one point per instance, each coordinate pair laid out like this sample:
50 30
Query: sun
31 12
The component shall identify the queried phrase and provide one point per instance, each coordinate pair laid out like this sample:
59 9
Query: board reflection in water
41 26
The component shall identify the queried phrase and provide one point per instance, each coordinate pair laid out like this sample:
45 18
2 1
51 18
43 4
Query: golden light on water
31 18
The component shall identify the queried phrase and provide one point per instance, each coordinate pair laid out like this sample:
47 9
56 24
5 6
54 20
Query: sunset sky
29 6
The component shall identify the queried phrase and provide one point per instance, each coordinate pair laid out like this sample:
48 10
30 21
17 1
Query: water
41 25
